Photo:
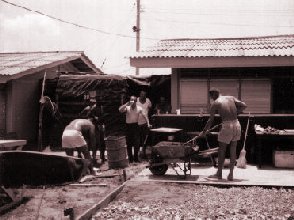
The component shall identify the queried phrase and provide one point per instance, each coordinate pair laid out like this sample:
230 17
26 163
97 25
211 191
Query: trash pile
268 130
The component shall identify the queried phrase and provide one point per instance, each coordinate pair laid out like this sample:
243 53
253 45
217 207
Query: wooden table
261 136
8 145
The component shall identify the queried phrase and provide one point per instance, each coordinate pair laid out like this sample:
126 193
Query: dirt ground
51 201
154 200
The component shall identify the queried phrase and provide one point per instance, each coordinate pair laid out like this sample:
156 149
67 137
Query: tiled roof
282 45
14 63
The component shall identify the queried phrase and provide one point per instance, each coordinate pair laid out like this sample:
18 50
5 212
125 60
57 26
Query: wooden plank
103 203
88 184
6 145
10 205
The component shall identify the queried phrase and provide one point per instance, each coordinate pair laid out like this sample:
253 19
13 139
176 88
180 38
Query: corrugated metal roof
15 63
282 45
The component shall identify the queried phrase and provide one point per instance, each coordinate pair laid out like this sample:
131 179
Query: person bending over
73 139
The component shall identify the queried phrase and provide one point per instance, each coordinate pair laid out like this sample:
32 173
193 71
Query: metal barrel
116 152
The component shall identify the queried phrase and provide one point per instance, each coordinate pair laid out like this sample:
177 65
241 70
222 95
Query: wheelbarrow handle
197 136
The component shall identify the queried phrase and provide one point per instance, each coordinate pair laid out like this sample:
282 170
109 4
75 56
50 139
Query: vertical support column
175 102
138 30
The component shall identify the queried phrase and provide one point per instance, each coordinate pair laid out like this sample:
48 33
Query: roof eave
83 57
86 60
211 62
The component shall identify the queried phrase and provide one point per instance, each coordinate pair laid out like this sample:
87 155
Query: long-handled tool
197 136
209 150
41 116
241 161
144 156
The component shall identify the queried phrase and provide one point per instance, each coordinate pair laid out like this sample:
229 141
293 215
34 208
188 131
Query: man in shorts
73 139
228 107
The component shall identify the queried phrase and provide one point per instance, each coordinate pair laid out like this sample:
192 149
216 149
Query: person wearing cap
146 105
228 107
133 111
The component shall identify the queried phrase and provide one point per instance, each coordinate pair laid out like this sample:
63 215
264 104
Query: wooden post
41 116
138 30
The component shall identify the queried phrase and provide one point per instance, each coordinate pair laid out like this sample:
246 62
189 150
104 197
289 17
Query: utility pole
138 30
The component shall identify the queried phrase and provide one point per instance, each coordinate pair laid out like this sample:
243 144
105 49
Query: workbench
270 137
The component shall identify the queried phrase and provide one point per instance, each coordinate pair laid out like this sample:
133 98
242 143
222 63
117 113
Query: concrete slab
251 176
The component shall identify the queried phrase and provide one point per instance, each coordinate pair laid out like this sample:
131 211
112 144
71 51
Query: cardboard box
283 159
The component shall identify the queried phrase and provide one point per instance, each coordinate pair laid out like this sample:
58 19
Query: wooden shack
20 90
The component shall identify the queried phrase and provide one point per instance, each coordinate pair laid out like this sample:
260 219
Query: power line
220 11
216 23
72 23
115 40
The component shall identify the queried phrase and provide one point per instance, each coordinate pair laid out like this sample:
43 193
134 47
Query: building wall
2 112
259 87
22 103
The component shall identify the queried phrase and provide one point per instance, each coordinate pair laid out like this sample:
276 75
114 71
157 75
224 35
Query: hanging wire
72 23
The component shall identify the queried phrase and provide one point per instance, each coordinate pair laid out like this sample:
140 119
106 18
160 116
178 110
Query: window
256 93
283 100
226 86
193 95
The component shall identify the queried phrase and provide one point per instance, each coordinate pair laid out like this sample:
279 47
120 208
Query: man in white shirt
146 105
132 129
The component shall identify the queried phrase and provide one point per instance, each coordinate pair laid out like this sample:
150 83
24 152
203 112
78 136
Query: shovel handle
246 132
196 137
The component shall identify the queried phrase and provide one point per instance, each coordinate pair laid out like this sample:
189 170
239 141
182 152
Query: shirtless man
228 107
73 139
133 111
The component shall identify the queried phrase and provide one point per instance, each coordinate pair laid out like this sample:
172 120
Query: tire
159 170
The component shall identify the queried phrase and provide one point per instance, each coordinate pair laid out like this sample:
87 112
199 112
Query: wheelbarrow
177 154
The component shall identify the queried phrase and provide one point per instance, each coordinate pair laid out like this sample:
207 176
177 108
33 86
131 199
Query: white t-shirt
145 106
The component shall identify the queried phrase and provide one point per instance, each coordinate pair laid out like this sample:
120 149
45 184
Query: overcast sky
110 38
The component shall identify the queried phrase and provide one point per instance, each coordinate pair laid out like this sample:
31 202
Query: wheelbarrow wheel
159 170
